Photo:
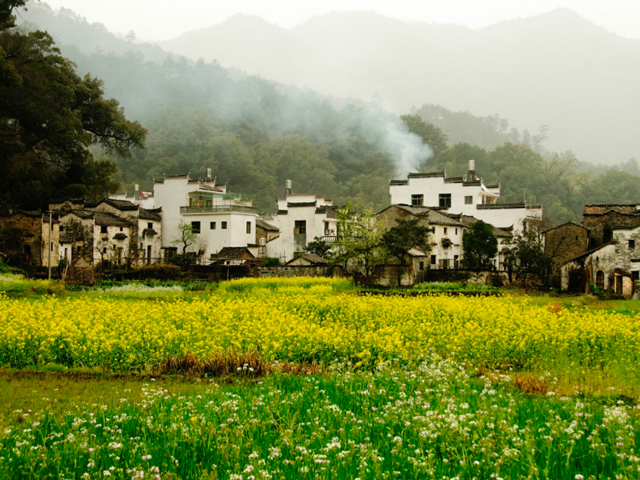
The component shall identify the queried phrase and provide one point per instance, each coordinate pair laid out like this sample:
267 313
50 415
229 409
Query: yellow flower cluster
303 320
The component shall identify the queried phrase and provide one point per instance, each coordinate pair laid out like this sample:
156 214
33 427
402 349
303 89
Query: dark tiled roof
123 205
155 214
311 258
505 206
426 175
300 204
433 216
233 253
110 220
398 182
266 226
564 225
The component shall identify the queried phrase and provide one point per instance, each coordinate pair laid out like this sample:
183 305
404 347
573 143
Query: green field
308 379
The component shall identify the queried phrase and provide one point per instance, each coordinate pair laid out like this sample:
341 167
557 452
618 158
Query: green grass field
418 408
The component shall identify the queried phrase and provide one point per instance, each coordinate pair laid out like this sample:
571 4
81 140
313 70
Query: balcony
217 209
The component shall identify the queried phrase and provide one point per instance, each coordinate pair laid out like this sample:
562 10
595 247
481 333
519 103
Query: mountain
556 69
68 28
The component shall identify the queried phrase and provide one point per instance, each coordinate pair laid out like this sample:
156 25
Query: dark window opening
632 244
417 199
248 227
468 199
445 200
300 227
103 229
223 225
195 227
212 225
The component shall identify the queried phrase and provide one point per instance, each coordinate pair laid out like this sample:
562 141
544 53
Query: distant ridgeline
255 134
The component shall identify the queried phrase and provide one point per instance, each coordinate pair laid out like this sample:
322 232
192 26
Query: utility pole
50 244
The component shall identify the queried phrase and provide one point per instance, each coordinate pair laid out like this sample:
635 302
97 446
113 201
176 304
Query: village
201 219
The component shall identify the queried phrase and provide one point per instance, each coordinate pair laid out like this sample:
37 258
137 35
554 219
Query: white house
445 239
220 219
466 195
301 219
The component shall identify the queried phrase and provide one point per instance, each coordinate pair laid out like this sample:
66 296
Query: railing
218 209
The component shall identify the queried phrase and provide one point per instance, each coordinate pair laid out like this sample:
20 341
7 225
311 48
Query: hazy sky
164 19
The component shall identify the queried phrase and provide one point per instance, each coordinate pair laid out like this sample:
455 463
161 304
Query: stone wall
601 226
564 243
301 271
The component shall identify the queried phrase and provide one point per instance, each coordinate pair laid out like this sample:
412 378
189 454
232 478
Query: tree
187 236
480 245
406 235
49 117
319 247
430 134
359 238
530 257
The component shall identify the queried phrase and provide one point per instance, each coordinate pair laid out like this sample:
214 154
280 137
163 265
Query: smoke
391 135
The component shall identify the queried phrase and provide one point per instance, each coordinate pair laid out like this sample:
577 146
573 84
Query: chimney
288 190
471 174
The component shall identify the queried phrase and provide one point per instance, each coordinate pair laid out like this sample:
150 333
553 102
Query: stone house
307 260
145 226
25 238
98 237
232 256
562 243
445 239
602 219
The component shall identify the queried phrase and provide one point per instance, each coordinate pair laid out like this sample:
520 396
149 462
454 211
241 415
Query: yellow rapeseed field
311 320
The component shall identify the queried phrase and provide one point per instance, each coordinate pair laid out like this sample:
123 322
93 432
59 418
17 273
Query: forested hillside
254 134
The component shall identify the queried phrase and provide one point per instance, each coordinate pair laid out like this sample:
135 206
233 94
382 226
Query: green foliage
404 236
319 247
271 262
430 134
187 236
453 287
480 246
529 255
49 117
22 287
359 239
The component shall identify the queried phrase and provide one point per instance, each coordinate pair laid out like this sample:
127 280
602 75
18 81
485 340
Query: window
103 229
223 225
300 227
421 265
195 227
122 229
635 275
150 225
468 199
433 259
445 230
212 225
632 244
456 231
61 228
248 227
417 199
445 200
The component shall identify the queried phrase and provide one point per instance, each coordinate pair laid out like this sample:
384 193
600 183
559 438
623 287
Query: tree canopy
404 236
49 117
480 245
